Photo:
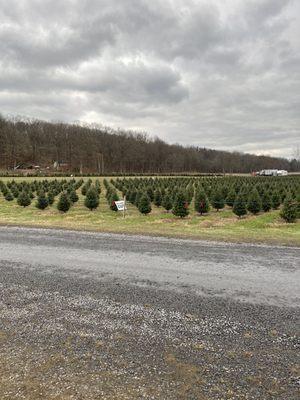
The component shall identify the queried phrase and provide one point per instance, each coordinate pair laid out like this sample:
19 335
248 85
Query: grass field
222 225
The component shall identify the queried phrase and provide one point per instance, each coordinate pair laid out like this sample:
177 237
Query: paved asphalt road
101 316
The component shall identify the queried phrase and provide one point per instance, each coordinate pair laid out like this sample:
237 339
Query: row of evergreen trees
242 194
44 191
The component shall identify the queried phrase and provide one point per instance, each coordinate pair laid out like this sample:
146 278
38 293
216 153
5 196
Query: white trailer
272 172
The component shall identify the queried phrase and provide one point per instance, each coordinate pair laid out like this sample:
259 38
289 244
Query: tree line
102 150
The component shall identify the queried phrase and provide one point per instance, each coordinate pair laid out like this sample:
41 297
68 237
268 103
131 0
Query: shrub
42 201
289 210
23 199
64 203
180 206
92 199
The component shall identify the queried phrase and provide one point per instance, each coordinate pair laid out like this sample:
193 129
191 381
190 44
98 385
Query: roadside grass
219 226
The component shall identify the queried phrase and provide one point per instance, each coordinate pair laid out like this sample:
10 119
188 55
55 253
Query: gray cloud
222 74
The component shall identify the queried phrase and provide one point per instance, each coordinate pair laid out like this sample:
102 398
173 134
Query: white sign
120 205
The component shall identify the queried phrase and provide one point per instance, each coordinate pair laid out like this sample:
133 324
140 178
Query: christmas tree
92 199
112 199
73 196
144 205
157 198
289 210
276 200
180 207
64 203
42 201
167 202
218 201
201 202
239 206
230 198
24 199
266 202
254 204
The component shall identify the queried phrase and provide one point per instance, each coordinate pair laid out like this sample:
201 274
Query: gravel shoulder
99 316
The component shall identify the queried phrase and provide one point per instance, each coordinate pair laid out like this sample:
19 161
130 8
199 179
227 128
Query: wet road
100 316
259 274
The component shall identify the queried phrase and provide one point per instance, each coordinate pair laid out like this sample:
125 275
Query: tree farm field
216 225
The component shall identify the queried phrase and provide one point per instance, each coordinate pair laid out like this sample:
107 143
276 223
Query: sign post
121 205
124 208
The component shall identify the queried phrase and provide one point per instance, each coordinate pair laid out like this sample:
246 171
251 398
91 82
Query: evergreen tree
218 201
201 202
144 205
180 206
150 193
23 199
50 198
254 202
8 196
231 197
289 210
167 202
73 196
239 206
138 196
157 198
266 202
113 197
92 199
276 201
42 201
15 192
64 203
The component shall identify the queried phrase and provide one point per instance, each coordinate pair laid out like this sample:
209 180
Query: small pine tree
50 198
112 199
167 202
138 196
254 202
289 210
144 205
42 201
73 196
298 204
150 193
218 201
276 200
92 199
64 203
23 199
9 196
180 207
239 206
201 202
231 196
157 198
266 202
84 189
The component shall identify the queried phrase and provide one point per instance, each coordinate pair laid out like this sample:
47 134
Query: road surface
90 315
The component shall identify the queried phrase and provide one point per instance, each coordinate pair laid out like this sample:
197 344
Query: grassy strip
222 225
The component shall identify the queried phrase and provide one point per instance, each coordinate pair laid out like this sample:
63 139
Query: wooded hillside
103 150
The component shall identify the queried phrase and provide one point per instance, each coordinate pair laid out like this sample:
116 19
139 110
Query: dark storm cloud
222 74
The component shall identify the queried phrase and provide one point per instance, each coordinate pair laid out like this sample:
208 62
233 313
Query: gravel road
102 316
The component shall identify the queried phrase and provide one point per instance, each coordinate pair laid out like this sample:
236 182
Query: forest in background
102 150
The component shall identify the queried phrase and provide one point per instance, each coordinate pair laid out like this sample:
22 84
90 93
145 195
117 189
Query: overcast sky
222 74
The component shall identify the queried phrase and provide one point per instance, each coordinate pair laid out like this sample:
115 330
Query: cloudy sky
223 74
